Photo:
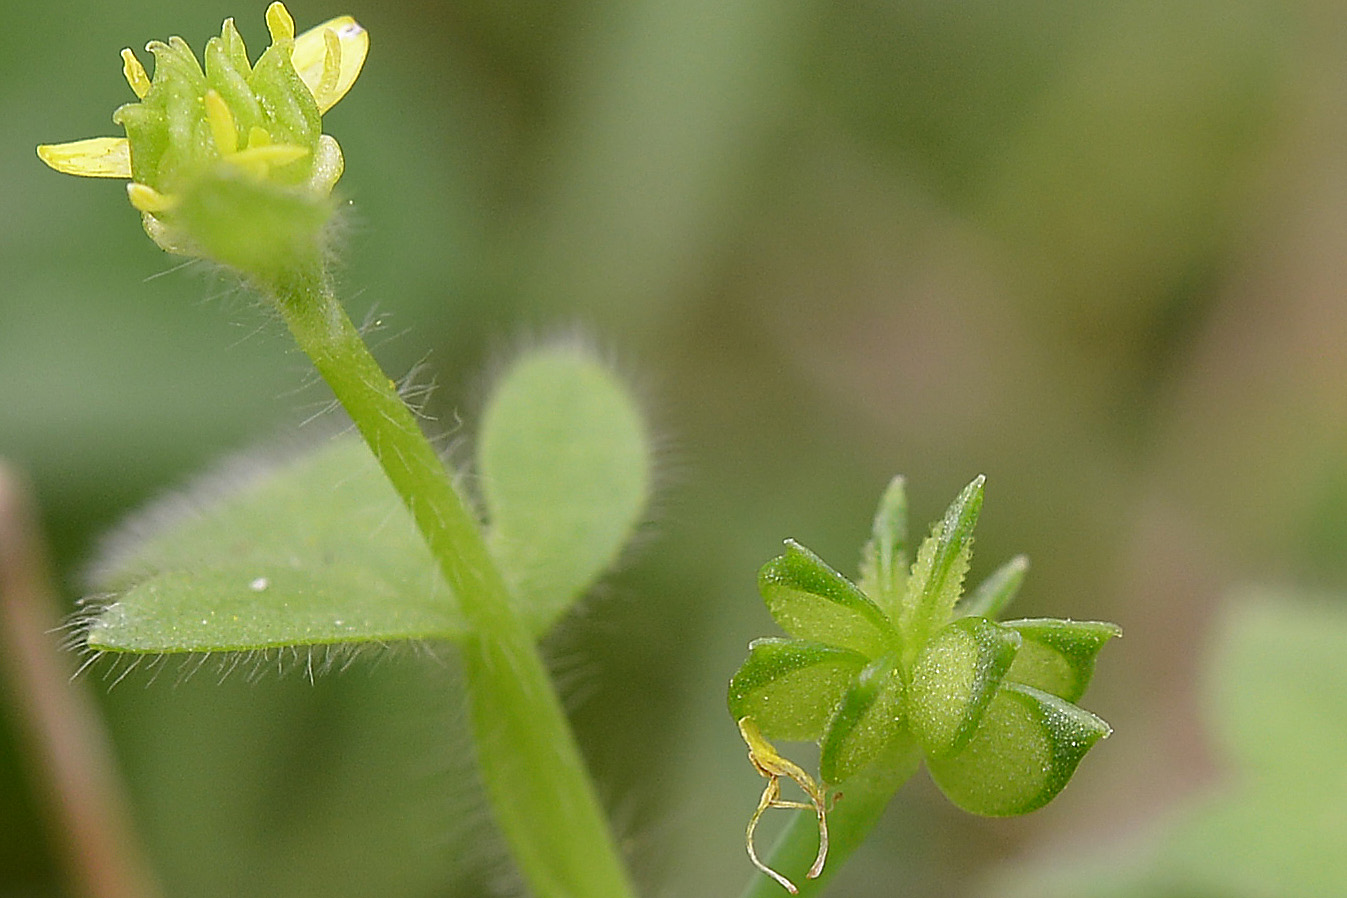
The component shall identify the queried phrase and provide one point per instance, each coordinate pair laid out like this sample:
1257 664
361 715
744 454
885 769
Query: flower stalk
540 792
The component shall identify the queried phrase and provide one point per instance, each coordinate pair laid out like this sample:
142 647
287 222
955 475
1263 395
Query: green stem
850 821
542 797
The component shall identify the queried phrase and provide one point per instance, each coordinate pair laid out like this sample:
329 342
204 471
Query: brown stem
73 762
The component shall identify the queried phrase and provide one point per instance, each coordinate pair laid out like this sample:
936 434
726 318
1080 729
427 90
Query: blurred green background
1093 250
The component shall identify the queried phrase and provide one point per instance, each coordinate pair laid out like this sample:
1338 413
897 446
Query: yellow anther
260 160
270 154
221 122
771 765
135 74
280 23
147 199
258 137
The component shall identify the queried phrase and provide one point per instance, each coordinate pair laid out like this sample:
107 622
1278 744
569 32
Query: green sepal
234 48
993 594
565 476
884 559
1058 655
1021 756
791 687
954 680
942 562
291 113
867 723
146 129
812 601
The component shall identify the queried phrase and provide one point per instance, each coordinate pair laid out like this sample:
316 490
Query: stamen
135 74
147 199
280 23
258 137
270 154
221 122
327 84
260 160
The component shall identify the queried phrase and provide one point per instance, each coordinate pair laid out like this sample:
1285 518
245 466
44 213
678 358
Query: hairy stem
540 792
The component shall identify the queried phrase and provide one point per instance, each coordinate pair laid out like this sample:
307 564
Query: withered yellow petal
94 157
311 54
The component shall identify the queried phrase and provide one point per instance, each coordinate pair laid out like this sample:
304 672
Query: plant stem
535 776
849 823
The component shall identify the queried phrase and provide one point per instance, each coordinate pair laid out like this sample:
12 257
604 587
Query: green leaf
1021 756
791 688
954 679
1277 687
1058 655
942 562
867 724
884 559
812 601
565 476
319 550
996 592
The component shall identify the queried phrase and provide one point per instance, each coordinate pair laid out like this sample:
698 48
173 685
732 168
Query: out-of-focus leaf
565 468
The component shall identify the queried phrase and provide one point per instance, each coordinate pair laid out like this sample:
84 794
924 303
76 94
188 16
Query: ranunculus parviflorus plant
226 161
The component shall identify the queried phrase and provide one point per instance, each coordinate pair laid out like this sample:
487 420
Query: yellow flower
231 121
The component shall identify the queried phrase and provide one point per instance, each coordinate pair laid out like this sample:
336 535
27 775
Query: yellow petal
96 157
311 54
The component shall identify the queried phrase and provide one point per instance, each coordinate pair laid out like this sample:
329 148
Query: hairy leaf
565 476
